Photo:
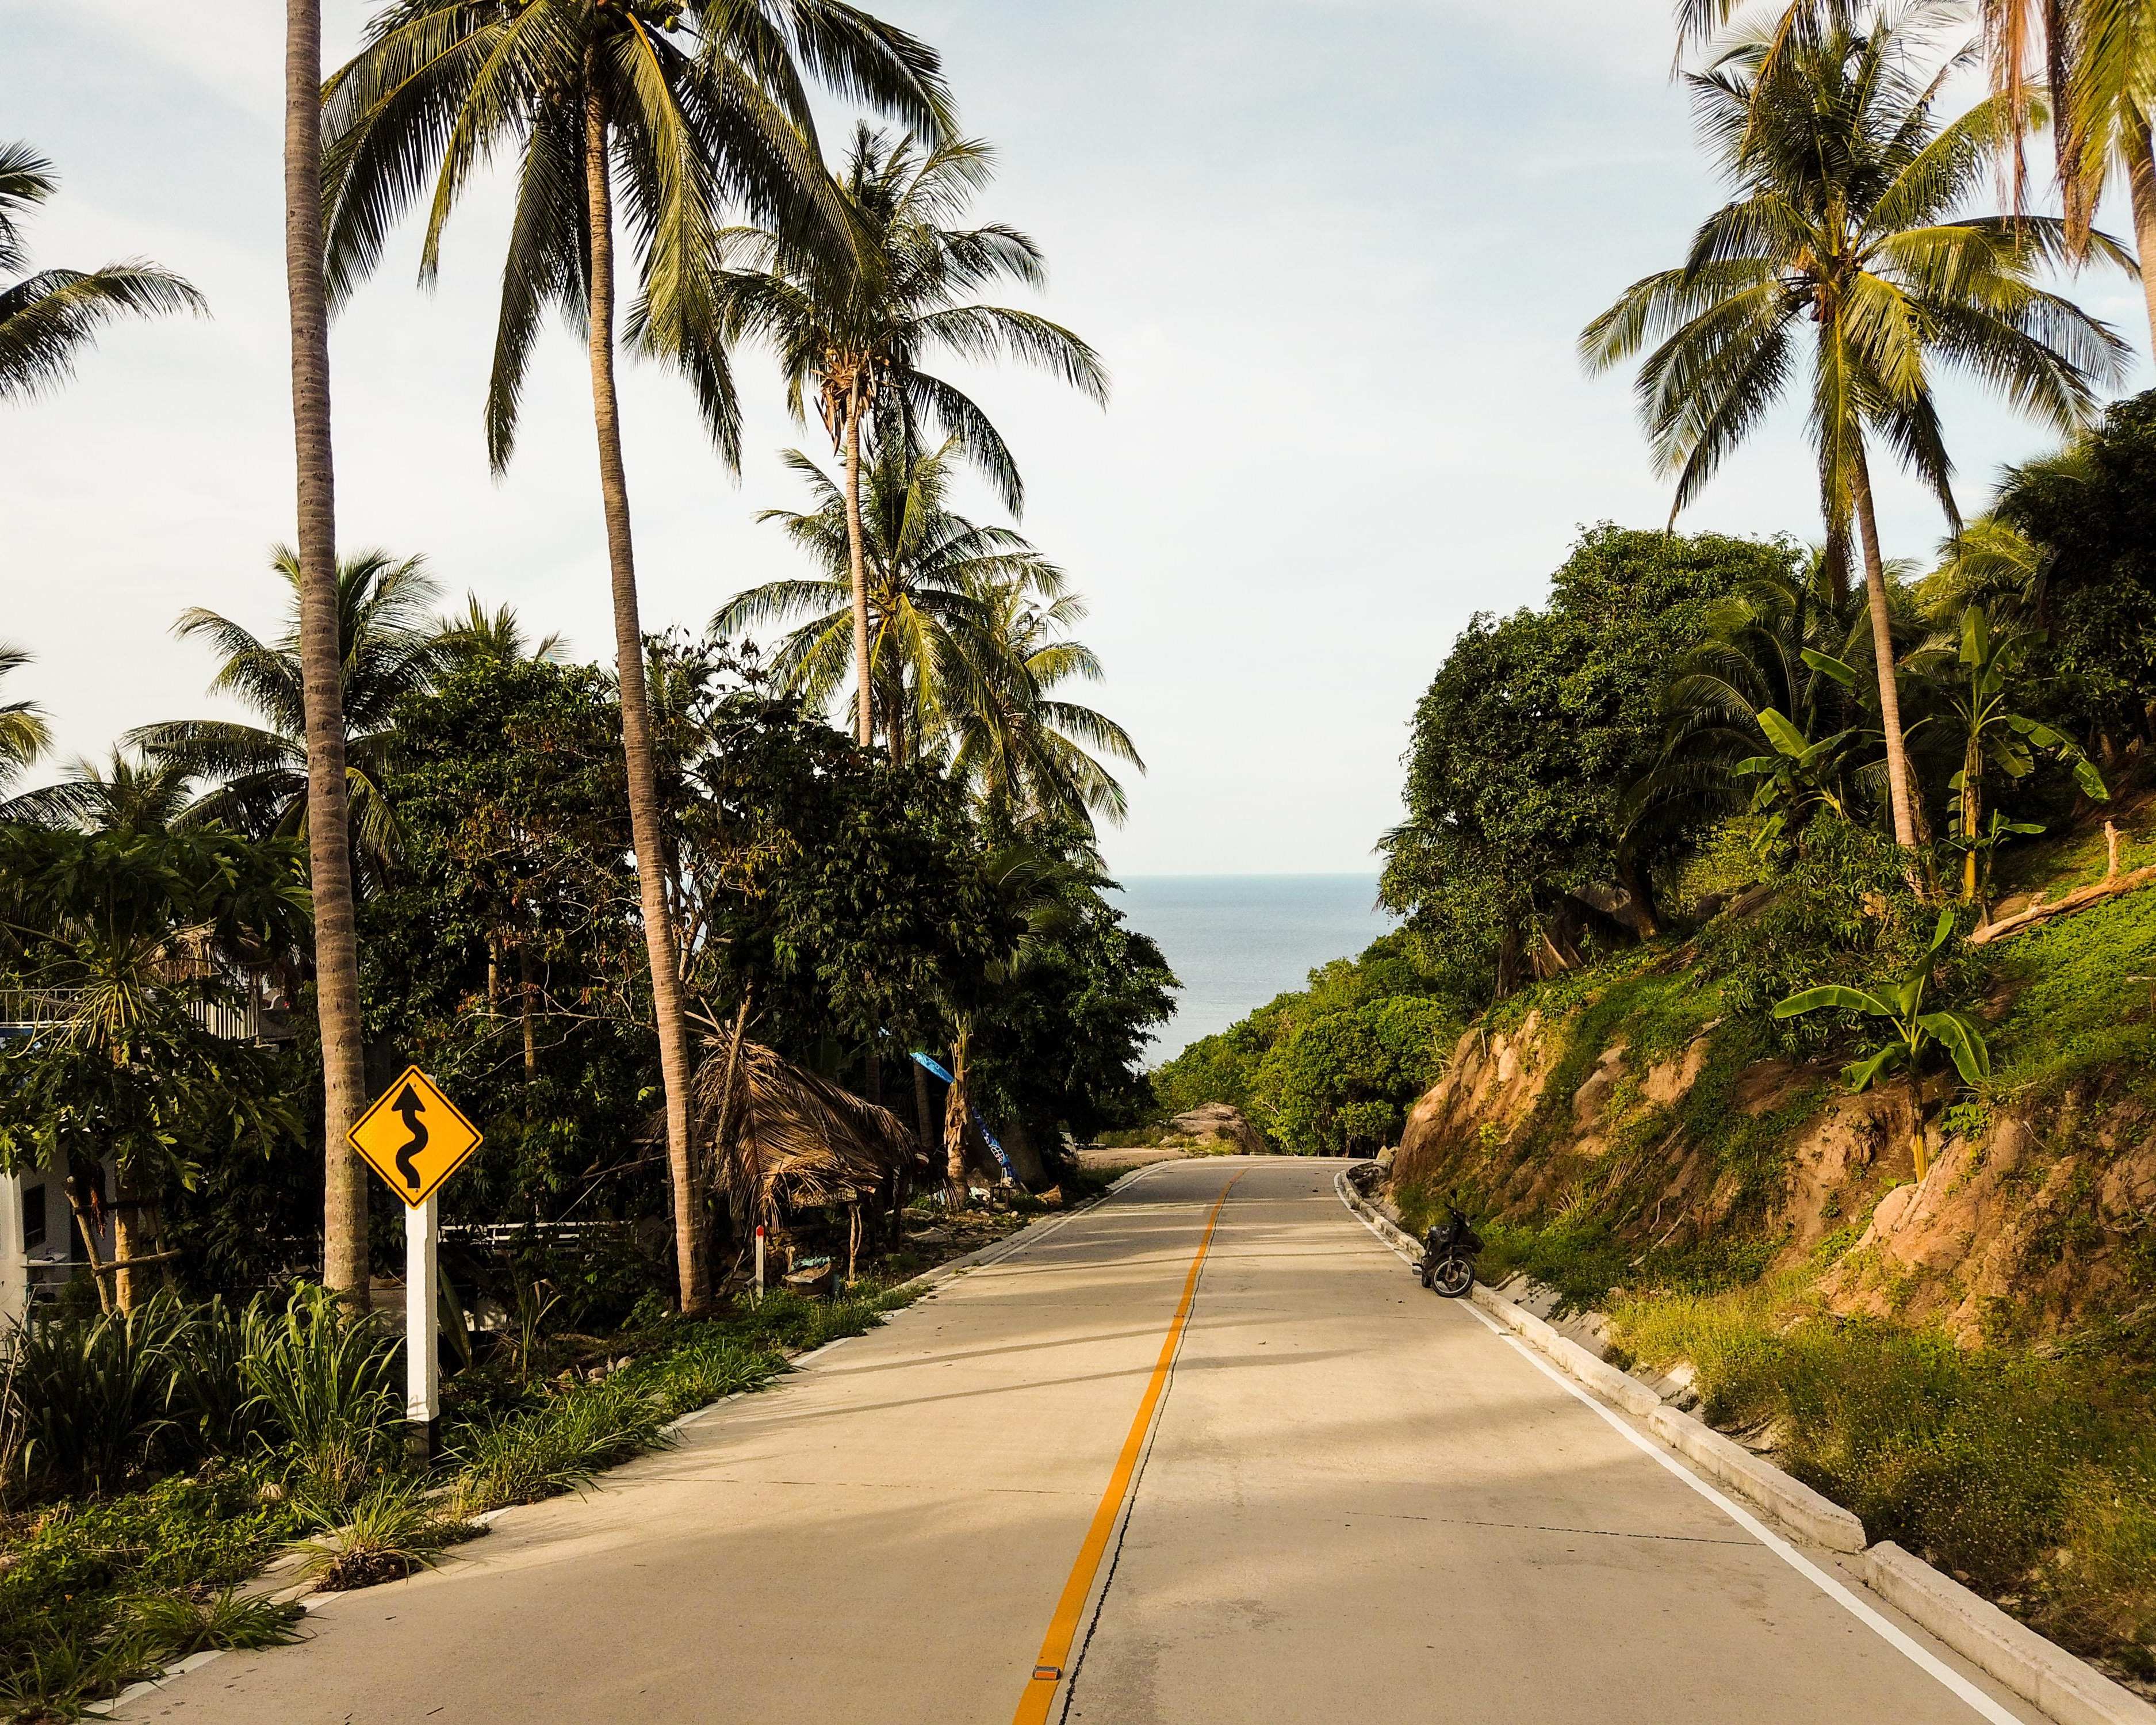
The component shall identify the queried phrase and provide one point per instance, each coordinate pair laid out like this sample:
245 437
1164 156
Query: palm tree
924 568
672 107
480 635
388 647
856 329
47 318
23 733
965 639
132 792
1843 223
1030 757
2092 63
321 661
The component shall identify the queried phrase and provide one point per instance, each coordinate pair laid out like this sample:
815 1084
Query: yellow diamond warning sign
414 1137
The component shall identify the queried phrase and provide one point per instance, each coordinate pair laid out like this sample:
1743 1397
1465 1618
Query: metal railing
24 1012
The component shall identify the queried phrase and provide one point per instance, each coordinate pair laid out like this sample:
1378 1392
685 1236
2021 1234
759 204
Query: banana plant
1913 1033
1800 772
1993 735
1982 852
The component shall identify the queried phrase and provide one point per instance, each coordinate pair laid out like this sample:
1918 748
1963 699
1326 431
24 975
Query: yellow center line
1063 1627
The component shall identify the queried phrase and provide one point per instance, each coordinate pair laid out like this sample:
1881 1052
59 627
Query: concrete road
1354 1501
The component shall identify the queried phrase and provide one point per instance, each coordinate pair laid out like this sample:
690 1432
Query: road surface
1352 1501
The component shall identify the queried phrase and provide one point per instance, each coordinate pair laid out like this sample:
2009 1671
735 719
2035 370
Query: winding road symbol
413 1110
414 1136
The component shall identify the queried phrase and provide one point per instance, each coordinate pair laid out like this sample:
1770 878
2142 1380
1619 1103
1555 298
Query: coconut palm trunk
643 813
321 655
2141 182
954 1123
1882 647
857 549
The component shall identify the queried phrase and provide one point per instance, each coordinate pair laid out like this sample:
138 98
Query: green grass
2031 1478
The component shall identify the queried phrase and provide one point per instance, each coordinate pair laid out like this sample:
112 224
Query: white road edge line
1920 1656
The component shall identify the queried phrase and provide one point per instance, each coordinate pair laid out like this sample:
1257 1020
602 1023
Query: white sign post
415 1138
423 1329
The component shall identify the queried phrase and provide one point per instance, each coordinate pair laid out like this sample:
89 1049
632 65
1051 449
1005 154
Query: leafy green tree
849 896
46 319
1843 231
388 648
1367 991
673 110
2086 520
124 937
504 953
1519 843
1772 664
1342 1083
24 735
1909 1032
1061 1045
857 328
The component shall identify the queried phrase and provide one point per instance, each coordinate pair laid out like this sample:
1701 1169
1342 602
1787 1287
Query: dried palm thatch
794 1141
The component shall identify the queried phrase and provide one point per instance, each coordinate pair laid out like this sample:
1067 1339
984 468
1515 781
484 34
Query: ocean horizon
1235 941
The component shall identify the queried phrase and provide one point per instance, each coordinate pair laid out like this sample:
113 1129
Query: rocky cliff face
2032 1219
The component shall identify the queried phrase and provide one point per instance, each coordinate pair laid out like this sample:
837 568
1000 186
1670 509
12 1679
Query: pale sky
1337 253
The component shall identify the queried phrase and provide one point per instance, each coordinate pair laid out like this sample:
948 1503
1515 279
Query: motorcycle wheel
1452 1278
1427 1270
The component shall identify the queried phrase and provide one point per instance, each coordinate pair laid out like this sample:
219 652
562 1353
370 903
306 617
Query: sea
1235 941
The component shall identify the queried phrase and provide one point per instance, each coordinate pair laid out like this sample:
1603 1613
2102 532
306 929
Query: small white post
422 1330
14 1257
759 1260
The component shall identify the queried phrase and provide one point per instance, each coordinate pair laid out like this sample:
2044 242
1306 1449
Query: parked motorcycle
1447 1265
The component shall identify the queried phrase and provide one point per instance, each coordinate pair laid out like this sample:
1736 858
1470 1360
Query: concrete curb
1819 1519
1791 1501
2040 1670
1599 1375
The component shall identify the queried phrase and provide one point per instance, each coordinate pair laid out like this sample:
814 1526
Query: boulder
1219 1128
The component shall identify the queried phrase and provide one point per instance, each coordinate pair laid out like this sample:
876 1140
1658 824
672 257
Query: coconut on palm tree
1842 239
857 329
47 318
388 647
665 112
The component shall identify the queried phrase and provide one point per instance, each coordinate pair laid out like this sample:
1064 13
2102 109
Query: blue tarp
935 1067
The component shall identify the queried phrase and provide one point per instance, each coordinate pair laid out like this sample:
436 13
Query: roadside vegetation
671 925
159 1459
1778 913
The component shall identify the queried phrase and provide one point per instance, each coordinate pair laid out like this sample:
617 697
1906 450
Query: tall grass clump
89 1400
558 1447
394 1529
323 1378
2030 1478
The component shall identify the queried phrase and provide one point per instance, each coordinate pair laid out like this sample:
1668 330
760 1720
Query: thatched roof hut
788 1140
